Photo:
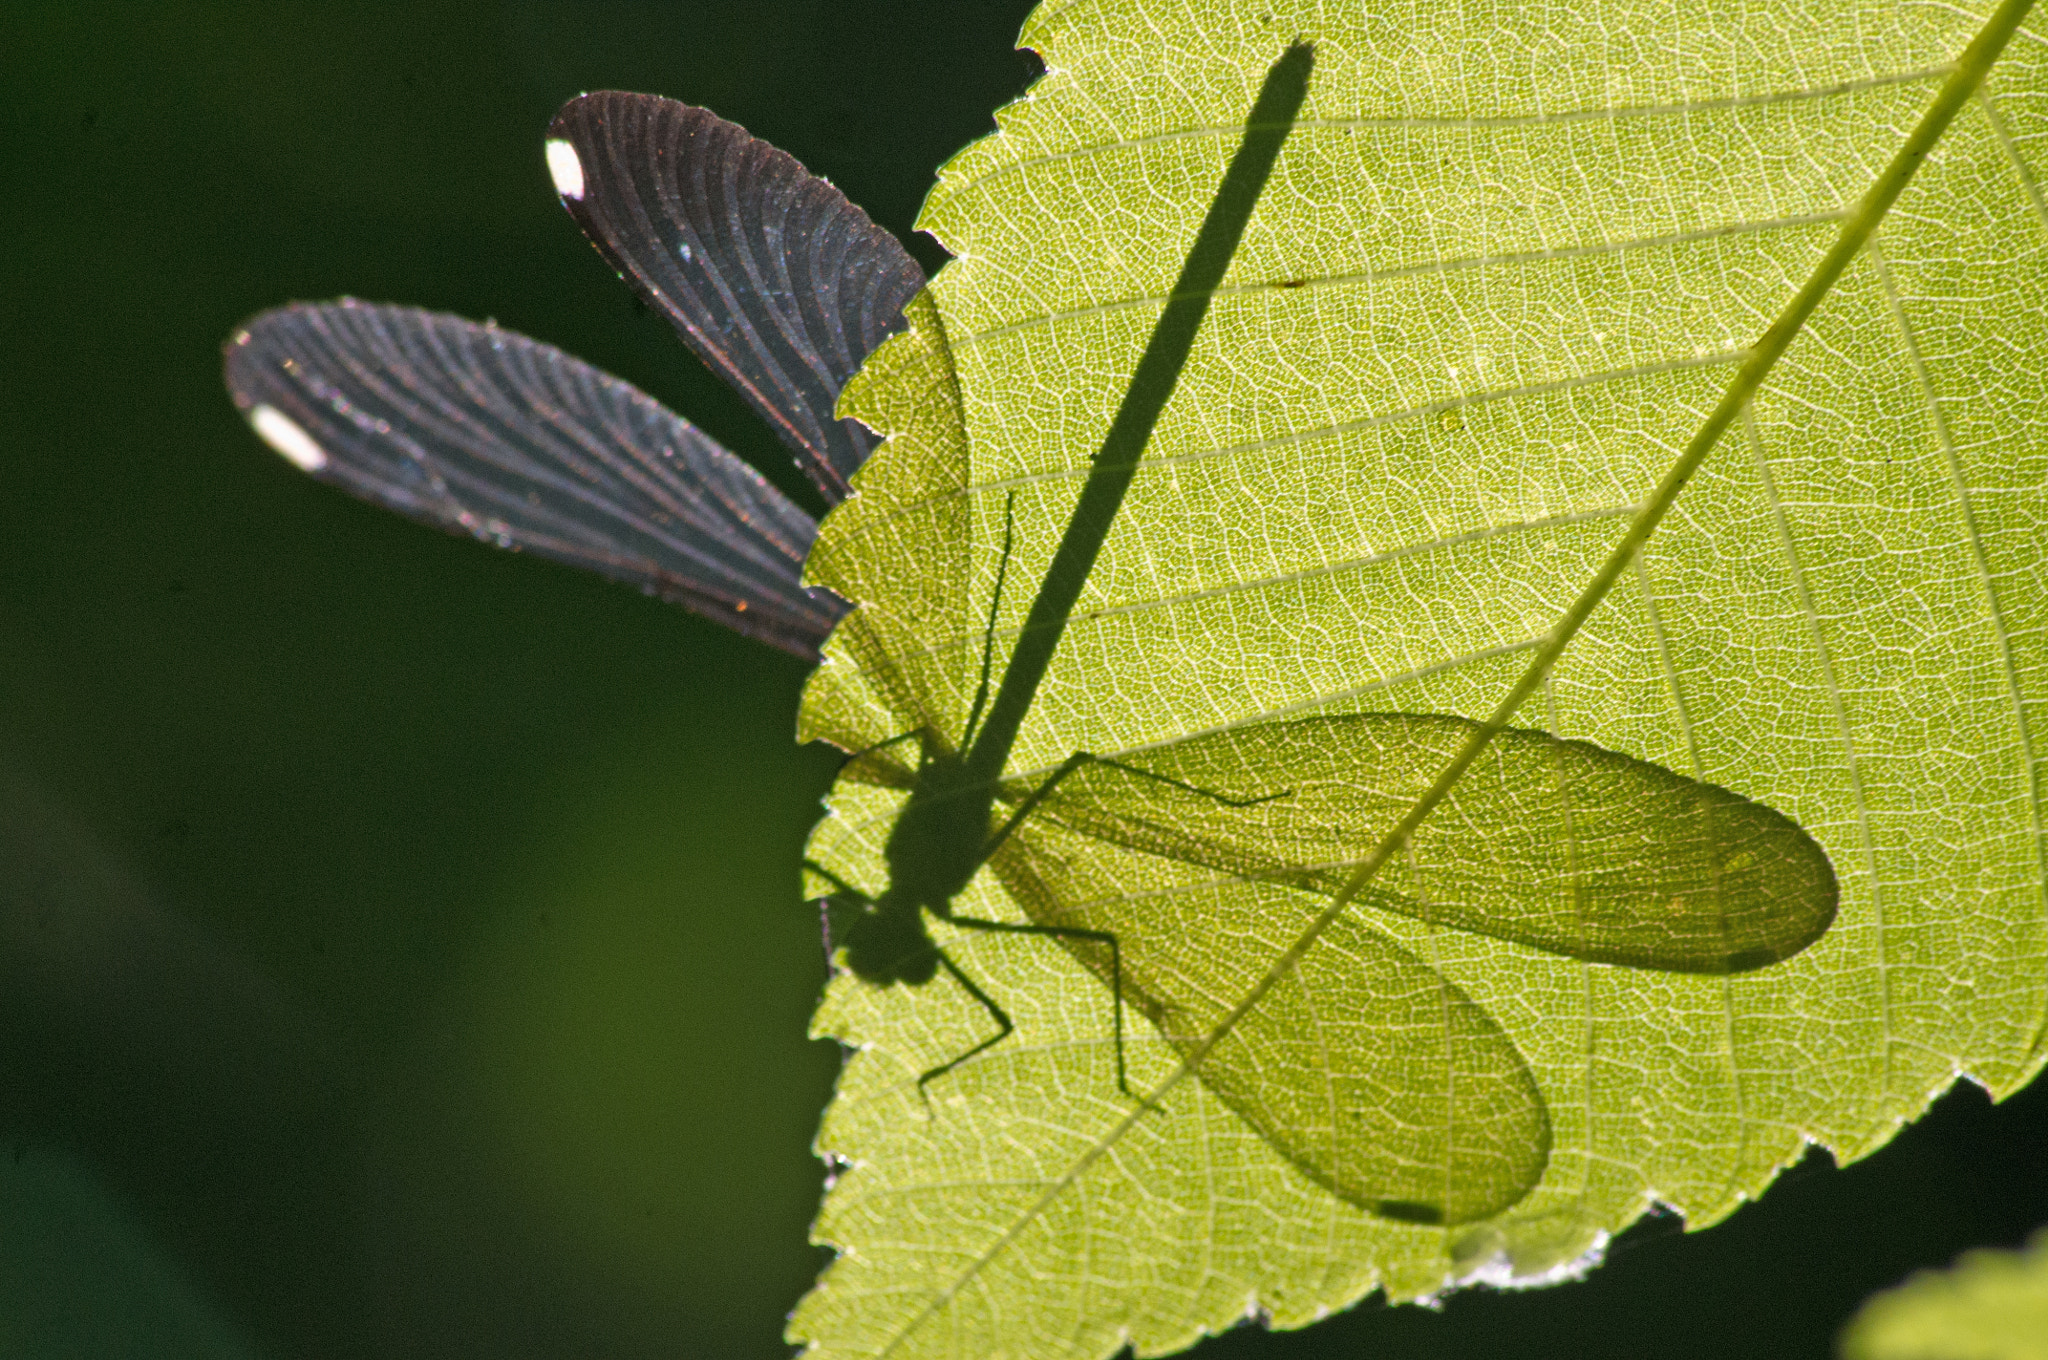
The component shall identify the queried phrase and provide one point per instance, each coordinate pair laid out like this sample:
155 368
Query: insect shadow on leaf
943 835
885 938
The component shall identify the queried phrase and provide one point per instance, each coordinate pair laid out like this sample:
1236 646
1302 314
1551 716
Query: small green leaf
1991 1305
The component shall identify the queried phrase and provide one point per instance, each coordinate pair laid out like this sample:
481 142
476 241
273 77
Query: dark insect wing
778 282
483 431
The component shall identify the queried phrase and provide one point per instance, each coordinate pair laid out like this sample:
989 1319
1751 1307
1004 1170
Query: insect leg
1081 758
988 637
988 1003
1023 810
1211 794
882 745
1116 970
1033 799
845 889
841 904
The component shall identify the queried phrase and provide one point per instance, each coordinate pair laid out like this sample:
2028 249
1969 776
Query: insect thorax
941 836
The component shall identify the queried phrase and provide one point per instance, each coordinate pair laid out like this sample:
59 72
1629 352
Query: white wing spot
282 433
565 169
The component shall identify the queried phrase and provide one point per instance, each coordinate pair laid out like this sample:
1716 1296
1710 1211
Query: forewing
1557 844
1373 1073
778 282
483 431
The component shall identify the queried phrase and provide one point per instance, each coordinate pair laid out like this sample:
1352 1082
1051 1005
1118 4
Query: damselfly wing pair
1374 1074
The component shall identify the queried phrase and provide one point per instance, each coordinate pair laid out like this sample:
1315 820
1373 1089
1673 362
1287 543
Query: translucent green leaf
1992 1305
1507 270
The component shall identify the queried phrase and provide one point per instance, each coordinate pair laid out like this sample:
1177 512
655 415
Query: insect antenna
836 910
855 757
988 636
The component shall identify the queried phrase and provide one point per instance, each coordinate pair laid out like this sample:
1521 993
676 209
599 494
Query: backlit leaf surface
1508 261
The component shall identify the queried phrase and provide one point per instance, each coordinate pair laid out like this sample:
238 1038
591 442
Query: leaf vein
1457 122
1987 579
1424 269
1464 401
2002 134
1852 760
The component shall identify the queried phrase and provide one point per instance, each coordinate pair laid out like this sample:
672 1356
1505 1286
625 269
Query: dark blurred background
400 949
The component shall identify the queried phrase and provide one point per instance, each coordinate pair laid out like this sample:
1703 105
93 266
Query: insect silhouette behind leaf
1369 1070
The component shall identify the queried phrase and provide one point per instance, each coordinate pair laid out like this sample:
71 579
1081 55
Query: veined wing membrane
1557 844
1372 1072
1368 1069
777 282
485 432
